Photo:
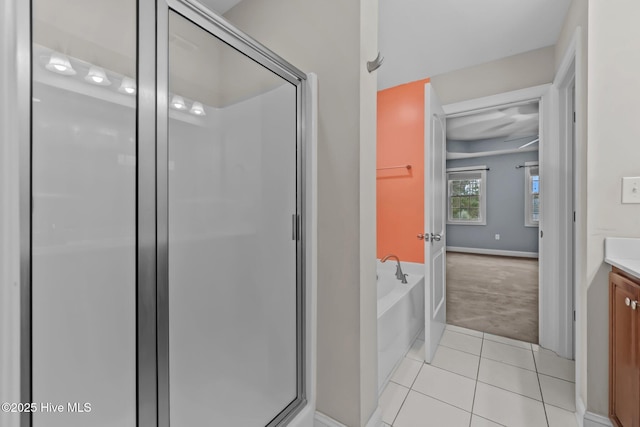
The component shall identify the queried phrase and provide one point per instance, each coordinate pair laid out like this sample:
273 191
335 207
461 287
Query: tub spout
399 275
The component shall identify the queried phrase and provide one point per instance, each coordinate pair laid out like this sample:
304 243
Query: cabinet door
623 364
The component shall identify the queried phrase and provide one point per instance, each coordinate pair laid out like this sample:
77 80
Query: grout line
511 364
510 344
401 405
453 348
560 407
485 418
511 391
475 388
556 378
544 407
442 401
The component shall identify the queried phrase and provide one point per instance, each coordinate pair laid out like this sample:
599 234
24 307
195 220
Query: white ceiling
508 122
424 38
220 6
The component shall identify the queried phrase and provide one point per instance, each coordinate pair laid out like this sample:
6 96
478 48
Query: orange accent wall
400 192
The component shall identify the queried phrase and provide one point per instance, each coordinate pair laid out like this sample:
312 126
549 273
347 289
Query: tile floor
480 380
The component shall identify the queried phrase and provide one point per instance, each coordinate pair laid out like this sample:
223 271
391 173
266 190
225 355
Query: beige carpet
493 294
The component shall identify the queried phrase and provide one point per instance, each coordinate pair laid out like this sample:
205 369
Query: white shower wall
232 262
83 256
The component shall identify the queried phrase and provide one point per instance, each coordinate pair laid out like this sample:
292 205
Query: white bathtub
400 315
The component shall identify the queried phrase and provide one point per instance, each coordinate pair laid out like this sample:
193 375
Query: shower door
234 254
161 220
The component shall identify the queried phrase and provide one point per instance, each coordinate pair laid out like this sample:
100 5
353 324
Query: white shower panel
232 262
83 253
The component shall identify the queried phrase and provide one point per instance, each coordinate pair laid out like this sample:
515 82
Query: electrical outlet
631 189
497 237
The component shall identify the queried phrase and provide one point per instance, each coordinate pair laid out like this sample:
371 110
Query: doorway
492 356
493 213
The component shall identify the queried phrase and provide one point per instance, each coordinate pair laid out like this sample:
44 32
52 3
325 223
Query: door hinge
541 234
574 315
574 216
574 117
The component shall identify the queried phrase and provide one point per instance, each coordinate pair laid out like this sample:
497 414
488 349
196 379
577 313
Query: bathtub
400 315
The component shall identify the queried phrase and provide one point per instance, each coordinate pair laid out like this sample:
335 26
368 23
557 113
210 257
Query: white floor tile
465 331
558 392
560 418
446 386
406 372
505 340
456 361
391 400
477 421
549 363
419 410
508 408
508 354
462 342
508 377
416 352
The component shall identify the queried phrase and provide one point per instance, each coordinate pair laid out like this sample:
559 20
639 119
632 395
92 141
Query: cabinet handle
634 305
627 301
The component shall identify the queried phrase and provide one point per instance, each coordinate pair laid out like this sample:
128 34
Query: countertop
623 253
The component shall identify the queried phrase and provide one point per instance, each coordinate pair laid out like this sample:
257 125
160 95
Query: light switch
631 189
497 237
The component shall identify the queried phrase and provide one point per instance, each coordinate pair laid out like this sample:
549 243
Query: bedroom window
466 191
531 194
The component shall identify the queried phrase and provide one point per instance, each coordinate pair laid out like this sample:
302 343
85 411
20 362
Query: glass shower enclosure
166 257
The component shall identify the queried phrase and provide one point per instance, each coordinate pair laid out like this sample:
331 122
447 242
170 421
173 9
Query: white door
434 221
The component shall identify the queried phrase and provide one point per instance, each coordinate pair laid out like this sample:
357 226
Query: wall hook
375 64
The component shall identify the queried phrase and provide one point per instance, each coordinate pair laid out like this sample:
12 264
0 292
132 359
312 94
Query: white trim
514 96
322 420
569 74
376 418
580 410
595 420
480 251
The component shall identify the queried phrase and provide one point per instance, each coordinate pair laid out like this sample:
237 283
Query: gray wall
515 72
505 207
347 363
612 153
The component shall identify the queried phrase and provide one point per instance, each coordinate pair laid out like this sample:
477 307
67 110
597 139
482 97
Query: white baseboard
497 252
580 411
376 418
595 420
322 420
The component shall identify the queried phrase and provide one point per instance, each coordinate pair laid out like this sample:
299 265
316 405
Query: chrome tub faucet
399 275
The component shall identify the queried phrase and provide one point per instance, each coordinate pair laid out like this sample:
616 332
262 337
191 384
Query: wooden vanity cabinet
624 349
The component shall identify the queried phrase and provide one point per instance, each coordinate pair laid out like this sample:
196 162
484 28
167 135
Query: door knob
423 236
435 237
634 305
627 301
